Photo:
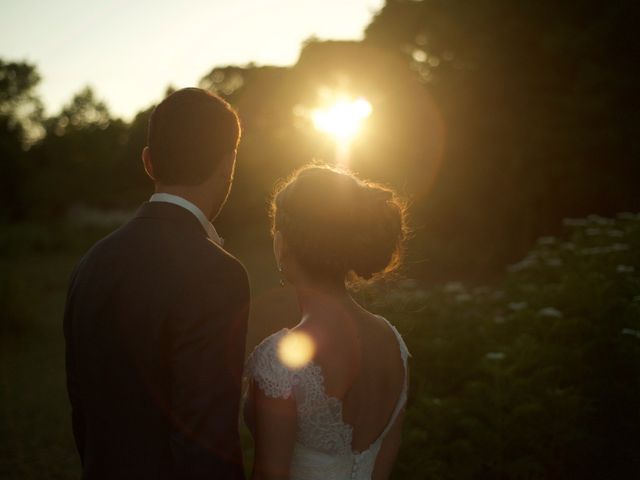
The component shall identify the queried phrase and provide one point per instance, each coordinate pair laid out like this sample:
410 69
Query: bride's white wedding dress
323 440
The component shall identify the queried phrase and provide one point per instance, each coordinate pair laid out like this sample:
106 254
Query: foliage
18 101
535 378
20 117
496 118
536 100
84 111
76 161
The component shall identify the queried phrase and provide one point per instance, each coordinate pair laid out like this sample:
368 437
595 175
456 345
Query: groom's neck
197 195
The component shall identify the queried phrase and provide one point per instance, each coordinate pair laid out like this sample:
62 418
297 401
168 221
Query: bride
326 398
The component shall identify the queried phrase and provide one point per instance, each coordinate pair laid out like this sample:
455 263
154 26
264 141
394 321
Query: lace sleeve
266 369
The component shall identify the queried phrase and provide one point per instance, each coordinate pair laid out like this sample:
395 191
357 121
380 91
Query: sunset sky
129 52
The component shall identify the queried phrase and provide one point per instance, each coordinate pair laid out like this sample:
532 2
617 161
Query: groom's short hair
190 132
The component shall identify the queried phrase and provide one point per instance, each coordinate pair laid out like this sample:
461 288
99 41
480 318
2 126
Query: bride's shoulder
265 367
266 352
268 344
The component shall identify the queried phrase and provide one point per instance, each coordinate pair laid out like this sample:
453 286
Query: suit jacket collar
194 209
171 212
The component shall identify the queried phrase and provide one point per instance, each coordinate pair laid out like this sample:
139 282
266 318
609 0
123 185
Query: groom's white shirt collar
187 205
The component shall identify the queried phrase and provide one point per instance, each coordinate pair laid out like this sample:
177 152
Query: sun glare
343 118
295 349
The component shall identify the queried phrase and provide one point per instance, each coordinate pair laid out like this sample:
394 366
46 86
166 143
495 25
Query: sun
343 118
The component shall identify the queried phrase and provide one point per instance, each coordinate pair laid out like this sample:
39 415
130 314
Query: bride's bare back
362 366
340 415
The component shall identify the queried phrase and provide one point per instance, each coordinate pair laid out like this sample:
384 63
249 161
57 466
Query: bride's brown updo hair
335 223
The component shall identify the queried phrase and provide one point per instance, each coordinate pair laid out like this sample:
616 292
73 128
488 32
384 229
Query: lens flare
296 349
342 119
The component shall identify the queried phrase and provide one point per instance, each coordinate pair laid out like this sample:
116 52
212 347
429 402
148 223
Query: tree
83 112
537 102
74 163
20 117
18 101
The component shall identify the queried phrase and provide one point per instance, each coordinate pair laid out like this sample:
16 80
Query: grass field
35 438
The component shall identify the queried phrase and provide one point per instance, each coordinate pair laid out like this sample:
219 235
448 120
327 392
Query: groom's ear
146 161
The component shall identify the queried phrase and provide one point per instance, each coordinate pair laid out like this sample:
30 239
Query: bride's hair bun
335 223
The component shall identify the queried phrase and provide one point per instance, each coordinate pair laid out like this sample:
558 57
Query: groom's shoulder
215 258
101 246
210 268
182 253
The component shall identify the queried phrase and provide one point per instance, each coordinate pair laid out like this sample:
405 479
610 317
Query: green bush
536 378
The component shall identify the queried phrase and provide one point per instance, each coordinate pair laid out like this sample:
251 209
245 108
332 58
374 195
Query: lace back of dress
323 439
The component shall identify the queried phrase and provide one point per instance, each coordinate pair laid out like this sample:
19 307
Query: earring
281 276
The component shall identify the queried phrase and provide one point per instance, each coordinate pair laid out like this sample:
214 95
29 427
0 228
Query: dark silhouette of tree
20 117
84 112
18 101
537 101
74 163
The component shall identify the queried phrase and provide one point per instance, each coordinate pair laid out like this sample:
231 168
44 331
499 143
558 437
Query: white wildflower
624 269
614 232
498 319
550 312
626 216
498 294
593 250
396 297
408 284
517 306
597 219
495 355
419 295
529 261
616 247
454 287
569 246
630 331
574 222
481 290
554 262
619 247
593 231
546 241
463 297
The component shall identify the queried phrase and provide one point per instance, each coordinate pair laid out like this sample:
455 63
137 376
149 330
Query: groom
156 314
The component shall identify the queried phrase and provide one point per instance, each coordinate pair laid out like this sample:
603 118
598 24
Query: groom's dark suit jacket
155 329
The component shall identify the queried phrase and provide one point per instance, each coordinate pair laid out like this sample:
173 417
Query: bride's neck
322 298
